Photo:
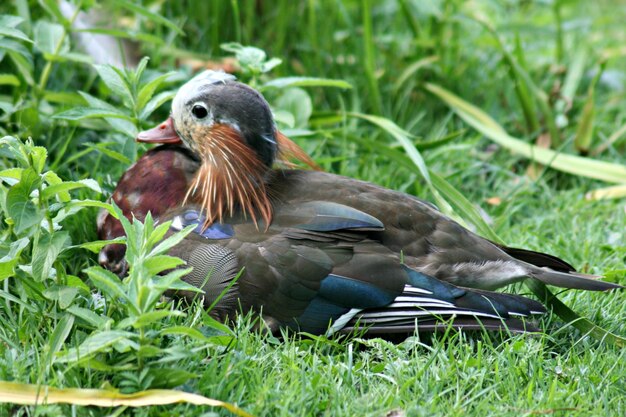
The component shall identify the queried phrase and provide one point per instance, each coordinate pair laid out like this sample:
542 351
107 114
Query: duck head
230 128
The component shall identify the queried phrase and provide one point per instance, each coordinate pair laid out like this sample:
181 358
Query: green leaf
70 185
297 102
17 48
89 316
60 333
9 79
24 66
95 343
13 148
38 156
572 164
76 205
12 173
121 125
103 148
151 317
160 263
48 35
116 81
14 33
155 103
107 282
46 252
156 18
186 331
147 91
95 245
10 21
306 82
80 113
172 241
19 205
10 256
62 294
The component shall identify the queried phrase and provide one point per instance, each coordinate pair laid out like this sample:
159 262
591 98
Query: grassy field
550 73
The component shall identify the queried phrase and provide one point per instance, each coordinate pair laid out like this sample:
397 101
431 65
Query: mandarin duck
319 252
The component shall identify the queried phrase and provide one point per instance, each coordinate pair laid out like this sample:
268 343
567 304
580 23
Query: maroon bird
319 252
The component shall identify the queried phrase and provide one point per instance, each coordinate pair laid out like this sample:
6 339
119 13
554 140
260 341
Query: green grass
516 60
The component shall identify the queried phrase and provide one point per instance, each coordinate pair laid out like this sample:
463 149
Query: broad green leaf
46 252
172 241
9 79
24 66
13 148
51 178
151 317
185 331
62 294
70 185
103 148
173 281
121 125
113 78
80 113
47 36
27 394
154 17
107 282
76 205
88 316
95 245
11 174
297 102
9 257
95 343
17 48
159 232
572 164
14 33
160 263
19 205
147 91
10 21
155 103
306 82
38 156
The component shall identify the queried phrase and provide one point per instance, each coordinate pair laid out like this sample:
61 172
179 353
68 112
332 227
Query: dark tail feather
573 280
538 259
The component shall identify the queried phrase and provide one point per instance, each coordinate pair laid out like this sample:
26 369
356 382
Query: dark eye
199 111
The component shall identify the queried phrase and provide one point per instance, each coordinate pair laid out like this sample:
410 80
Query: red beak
163 133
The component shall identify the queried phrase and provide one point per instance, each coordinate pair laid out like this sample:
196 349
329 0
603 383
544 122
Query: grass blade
481 121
